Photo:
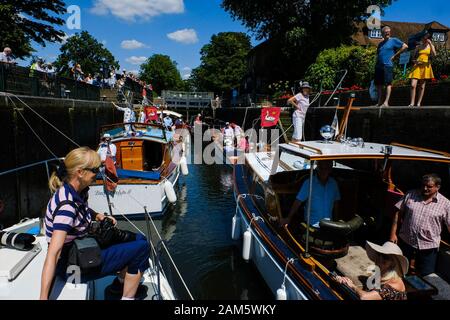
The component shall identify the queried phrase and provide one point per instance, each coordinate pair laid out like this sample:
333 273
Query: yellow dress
423 70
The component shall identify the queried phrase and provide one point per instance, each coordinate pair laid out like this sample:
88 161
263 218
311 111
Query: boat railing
33 165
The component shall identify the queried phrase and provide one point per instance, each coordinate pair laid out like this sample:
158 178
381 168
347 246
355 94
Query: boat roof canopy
170 113
152 132
333 150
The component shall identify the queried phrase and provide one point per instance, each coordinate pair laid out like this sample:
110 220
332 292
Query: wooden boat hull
131 196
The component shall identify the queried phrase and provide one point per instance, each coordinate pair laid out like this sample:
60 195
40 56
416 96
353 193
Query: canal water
197 231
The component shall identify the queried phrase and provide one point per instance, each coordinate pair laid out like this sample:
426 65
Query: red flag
111 174
151 113
270 116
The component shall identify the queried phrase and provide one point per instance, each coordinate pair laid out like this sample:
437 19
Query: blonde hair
76 159
395 271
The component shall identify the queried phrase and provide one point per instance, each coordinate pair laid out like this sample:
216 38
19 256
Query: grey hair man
6 56
388 50
424 212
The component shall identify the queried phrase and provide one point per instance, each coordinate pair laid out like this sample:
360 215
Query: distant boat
149 163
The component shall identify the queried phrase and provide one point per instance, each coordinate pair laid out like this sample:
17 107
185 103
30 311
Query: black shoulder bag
85 252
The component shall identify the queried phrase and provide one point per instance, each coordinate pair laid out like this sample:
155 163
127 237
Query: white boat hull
130 199
268 267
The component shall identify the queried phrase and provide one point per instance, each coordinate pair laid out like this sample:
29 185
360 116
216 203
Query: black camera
108 235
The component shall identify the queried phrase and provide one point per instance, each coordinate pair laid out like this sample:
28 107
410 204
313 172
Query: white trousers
298 128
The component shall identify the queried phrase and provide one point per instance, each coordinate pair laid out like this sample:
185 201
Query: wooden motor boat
298 261
148 167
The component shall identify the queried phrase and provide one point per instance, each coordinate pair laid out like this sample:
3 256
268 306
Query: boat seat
331 240
441 285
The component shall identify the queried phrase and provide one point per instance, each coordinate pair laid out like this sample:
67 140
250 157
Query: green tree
84 49
162 73
358 61
223 62
302 28
24 21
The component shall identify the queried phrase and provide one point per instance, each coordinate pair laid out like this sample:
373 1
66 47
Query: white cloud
186 36
186 73
130 10
136 60
104 42
132 44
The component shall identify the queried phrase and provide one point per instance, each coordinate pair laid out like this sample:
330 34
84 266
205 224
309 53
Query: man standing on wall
388 50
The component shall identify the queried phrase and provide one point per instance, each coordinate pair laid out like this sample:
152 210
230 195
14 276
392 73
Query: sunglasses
93 170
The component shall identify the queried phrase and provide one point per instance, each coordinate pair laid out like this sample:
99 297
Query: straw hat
389 248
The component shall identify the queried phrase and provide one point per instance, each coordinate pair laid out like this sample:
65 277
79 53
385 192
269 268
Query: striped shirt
422 223
74 221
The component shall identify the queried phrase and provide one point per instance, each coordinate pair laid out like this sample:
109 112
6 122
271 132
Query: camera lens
19 241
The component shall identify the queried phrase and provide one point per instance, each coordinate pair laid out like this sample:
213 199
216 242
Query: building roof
401 30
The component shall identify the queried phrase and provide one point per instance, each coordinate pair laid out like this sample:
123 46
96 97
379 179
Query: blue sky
144 26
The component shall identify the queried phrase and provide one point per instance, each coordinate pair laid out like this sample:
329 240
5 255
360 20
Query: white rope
283 285
45 120
166 249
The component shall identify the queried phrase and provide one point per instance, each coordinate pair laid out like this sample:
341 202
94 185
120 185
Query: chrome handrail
31 166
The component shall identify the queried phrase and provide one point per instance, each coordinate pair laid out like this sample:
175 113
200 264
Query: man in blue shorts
387 52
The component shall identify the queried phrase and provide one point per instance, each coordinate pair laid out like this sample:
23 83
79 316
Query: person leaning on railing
72 221
6 56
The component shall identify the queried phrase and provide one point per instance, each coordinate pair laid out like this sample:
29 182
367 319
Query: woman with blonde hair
422 70
68 217
393 266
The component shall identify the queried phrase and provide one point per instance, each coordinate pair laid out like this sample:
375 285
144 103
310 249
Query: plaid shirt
422 223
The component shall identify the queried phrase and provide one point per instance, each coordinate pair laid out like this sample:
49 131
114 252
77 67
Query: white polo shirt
302 106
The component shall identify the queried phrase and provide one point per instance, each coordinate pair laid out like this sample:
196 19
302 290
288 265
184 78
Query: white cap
107 136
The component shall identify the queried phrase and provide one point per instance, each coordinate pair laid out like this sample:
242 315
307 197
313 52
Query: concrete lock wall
25 194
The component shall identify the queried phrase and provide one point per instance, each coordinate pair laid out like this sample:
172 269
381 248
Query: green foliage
162 73
280 89
24 21
359 61
223 62
441 62
84 49
315 25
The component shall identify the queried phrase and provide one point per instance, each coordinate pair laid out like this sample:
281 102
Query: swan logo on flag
152 113
270 116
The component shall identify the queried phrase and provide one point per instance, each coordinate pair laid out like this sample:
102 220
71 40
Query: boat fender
281 293
235 228
170 192
247 244
184 166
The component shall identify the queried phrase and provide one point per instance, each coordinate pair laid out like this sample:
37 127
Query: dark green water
197 231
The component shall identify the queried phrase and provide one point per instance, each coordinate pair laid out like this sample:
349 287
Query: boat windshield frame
165 138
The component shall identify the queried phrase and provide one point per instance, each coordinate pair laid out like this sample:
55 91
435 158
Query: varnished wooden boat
300 262
148 168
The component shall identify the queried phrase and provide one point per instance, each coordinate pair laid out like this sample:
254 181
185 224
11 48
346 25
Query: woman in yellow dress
422 69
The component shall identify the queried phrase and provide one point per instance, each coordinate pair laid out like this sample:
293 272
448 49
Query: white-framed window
439 37
375 33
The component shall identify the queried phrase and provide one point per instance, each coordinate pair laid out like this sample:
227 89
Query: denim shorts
134 255
384 75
